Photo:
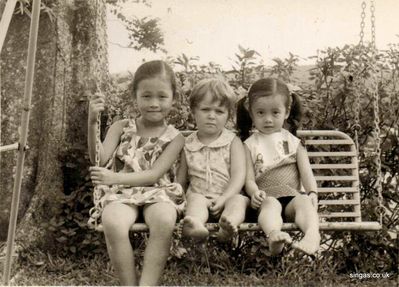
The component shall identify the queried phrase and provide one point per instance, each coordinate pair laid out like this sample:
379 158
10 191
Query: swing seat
334 162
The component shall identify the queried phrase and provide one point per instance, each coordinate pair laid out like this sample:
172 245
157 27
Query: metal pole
5 20
34 27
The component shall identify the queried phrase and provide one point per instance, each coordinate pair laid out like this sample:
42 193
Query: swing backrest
334 163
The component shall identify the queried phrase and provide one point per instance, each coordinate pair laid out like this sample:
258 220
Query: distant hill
301 74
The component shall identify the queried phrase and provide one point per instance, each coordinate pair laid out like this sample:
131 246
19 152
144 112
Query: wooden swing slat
336 189
335 177
338 202
333 166
325 226
331 153
339 214
328 142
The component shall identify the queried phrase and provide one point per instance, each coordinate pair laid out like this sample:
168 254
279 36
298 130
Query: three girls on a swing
139 158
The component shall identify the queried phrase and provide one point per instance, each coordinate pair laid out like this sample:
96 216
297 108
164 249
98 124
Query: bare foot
309 244
276 240
226 230
195 229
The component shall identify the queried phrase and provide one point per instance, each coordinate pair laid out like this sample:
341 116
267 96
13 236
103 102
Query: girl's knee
115 221
271 202
162 220
238 199
165 226
302 200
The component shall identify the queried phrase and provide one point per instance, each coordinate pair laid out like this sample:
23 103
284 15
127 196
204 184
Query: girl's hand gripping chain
257 198
96 106
102 176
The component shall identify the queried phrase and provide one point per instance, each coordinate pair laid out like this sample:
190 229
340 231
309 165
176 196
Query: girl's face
210 116
154 99
269 113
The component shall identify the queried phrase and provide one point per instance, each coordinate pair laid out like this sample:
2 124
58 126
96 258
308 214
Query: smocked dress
208 165
275 162
135 154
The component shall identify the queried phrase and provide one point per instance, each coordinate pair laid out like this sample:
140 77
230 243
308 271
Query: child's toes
226 230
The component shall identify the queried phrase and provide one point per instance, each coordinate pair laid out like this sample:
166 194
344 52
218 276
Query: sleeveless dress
208 165
134 154
275 165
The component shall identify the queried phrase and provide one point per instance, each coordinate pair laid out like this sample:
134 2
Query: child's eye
260 113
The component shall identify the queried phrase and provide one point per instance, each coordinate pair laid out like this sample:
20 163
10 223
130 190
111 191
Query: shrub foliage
329 98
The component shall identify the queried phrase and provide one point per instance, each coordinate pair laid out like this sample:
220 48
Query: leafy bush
339 74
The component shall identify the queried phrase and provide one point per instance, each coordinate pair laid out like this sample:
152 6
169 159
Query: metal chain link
377 156
95 212
356 127
362 24
372 13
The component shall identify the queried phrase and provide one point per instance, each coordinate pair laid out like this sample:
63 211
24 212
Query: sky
213 29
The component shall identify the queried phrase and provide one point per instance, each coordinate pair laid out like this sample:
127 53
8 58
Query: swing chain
380 209
372 12
362 23
356 126
95 212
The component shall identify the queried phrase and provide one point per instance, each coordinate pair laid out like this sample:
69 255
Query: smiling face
210 117
154 99
268 113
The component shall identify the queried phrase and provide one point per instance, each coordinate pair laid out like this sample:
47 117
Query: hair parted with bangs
264 88
218 89
154 69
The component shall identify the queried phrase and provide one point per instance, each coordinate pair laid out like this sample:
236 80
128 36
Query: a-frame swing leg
34 27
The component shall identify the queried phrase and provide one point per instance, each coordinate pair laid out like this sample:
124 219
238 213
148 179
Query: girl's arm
237 176
251 187
110 143
305 170
181 176
96 106
159 168
237 172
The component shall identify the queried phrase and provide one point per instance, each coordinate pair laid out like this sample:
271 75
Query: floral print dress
135 154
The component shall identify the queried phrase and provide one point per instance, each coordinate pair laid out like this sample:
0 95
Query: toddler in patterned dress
137 160
212 164
277 165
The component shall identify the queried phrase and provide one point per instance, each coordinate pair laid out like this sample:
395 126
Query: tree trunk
71 46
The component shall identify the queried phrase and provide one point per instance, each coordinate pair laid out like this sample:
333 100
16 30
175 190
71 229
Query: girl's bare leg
233 215
161 219
117 219
270 221
305 216
196 216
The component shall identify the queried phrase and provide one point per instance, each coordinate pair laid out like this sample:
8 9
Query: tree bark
71 46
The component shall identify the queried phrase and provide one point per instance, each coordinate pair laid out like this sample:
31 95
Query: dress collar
194 144
169 133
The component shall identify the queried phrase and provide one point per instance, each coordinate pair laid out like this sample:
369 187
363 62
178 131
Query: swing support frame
30 70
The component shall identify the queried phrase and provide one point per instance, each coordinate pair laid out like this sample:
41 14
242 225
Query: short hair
219 90
153 69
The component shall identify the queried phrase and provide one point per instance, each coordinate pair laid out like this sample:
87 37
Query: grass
38 268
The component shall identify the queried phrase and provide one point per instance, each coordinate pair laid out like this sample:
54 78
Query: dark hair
263 88
152 69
